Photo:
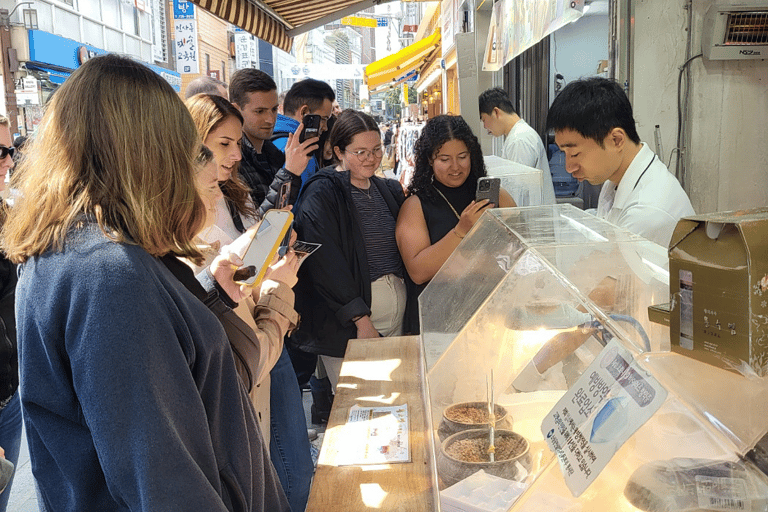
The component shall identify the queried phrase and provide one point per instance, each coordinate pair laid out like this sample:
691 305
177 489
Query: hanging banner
243 50
447 25
359 21
327 71
516 26
405 94
186 46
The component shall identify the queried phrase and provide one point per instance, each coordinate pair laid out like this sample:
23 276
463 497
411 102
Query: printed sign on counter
605 406
375 435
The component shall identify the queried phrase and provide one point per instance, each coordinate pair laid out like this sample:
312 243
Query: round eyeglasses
364 154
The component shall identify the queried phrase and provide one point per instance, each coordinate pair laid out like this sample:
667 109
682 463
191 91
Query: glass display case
525 184
541 316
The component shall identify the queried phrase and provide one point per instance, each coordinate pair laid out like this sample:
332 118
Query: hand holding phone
488 188
311 129
263 246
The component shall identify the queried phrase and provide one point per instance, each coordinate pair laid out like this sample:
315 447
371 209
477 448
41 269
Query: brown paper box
718 280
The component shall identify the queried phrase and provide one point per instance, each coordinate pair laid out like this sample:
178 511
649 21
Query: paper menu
375 435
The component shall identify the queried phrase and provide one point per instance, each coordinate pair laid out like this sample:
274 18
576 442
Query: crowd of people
149 379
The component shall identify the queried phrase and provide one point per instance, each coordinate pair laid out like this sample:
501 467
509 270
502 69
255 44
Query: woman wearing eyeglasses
354 285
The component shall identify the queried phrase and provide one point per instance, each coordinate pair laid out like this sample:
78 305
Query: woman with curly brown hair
441 207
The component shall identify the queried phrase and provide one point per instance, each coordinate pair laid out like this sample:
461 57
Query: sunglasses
4 152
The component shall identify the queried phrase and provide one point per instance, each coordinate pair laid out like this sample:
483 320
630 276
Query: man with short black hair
264 167
306 96
521 142
595 128
206 85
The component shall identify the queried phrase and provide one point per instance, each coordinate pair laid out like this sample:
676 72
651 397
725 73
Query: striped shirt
378 227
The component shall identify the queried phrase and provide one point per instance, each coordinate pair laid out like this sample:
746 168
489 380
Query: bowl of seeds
465 453
470 415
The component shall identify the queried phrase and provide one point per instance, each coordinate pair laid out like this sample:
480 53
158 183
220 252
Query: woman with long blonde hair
129 389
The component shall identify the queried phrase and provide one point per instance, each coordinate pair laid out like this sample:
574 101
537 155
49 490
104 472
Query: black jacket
9 360
265 182
334 283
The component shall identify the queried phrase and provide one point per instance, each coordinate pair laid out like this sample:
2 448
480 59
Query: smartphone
283 195
262 248
311 129
488 188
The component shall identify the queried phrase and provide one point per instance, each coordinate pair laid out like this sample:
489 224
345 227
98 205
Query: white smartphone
263 246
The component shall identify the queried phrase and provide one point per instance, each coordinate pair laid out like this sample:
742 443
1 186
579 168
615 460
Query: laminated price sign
609 402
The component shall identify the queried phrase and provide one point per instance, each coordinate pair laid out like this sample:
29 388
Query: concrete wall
576 49
728 150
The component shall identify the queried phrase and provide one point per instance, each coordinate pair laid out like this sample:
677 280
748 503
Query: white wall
576 49
728 167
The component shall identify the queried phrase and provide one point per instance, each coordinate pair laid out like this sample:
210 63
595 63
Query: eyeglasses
364 154
4 152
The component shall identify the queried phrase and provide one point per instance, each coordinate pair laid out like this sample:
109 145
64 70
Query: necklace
449 203
365 192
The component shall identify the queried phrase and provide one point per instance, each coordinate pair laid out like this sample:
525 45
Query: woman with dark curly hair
441 207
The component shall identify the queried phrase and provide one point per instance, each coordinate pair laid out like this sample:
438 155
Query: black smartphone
311 127
488 188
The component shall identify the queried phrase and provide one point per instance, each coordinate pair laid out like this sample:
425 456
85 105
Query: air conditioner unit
735 31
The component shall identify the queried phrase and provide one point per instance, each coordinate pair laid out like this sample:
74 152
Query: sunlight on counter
370 370
373 495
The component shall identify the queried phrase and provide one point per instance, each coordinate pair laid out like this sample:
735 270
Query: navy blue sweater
129 390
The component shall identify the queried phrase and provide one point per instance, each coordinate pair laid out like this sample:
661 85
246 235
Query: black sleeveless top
438 215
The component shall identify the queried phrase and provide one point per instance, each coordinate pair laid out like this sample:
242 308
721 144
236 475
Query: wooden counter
377 372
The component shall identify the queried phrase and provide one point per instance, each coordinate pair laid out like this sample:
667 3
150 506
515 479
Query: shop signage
604 407
327 71
186 46
359 21
64 55
183 10
243 42
29 84
411 28
516 26
446 20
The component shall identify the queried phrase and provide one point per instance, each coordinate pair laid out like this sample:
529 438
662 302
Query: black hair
496 98
246 81
309 92
203 85
593 107
436 132
350 123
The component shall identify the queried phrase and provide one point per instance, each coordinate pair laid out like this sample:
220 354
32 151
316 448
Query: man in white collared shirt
594 126
521 142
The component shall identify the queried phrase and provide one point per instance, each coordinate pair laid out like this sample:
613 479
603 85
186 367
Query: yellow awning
278 21
393 67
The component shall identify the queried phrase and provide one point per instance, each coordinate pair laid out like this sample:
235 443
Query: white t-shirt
524 146
648 200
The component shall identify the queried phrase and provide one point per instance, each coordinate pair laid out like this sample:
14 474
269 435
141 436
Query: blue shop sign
183 10
60 56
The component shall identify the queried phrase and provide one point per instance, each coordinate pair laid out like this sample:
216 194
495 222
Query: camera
484 186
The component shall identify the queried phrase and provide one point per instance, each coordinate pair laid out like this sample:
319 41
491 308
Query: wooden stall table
377 372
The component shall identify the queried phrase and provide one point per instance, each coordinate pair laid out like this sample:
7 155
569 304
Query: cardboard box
718 280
